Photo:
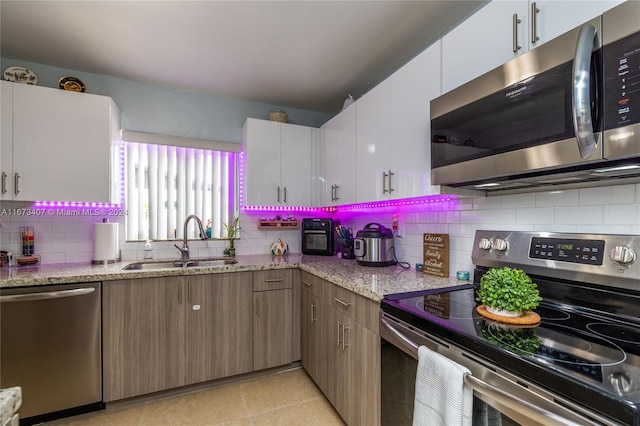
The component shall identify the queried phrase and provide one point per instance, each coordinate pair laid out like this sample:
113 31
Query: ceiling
300 54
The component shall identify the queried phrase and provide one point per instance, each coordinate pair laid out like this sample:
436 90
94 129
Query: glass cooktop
570 345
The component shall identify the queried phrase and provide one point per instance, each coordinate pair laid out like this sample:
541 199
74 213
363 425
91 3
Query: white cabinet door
344 157
6 140
263 162
484 41
328 149
554 17
412 89
296 165
278 169
373 135
62 144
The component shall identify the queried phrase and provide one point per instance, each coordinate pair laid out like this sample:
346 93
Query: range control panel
587 252
607 259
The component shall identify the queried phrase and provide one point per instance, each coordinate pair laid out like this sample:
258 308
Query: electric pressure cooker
373 246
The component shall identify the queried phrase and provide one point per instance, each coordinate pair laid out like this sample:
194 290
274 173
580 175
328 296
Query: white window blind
165 184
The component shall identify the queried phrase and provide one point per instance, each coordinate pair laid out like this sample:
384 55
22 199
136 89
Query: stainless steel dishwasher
51 348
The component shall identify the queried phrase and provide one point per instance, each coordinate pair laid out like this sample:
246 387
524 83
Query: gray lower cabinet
161 333
310 342
340 348
272 318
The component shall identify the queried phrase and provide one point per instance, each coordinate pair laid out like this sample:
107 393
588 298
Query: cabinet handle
516 21
342 302
390 187
307 283
337 198
285 194
16 183
278 194
344 337
274 280
333 192
313 313
339 327
534 22
4 183
384 182
189 292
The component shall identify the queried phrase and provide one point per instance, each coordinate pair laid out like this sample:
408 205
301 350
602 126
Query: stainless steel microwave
565 112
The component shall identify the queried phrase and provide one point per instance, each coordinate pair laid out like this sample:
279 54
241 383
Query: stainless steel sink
209 262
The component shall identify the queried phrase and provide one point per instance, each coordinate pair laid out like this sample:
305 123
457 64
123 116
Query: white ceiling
302 54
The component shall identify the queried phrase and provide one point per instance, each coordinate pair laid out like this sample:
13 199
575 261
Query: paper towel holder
117 255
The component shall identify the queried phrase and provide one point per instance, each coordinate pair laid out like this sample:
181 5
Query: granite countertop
370 282
10 402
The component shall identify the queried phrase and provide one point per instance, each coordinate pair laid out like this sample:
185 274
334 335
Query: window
164 184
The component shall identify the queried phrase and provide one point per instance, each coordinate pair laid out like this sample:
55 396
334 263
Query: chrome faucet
184 251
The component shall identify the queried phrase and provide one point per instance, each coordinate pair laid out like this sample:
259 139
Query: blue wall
154 108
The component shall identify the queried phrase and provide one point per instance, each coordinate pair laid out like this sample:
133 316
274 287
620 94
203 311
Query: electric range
583 355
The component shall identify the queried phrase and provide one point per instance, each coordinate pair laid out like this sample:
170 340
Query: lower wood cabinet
340 348
161 333
310 338
272 318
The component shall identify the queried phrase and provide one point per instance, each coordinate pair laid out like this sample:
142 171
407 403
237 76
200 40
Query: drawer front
272 280
362 310
311 284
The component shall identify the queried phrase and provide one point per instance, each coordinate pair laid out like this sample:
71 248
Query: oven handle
482 387
581 100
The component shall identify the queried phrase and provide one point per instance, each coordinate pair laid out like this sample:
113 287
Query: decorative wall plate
20 75
72 84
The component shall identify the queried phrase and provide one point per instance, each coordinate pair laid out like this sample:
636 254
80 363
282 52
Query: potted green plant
233 230
508 292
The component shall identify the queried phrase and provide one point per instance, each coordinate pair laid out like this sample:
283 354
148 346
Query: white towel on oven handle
441 397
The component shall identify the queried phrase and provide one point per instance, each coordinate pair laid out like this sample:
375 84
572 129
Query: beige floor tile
279 390
314 412
131 416
206 407
286 398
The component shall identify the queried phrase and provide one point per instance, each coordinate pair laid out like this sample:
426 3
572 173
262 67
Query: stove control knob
621 382
623 255
485 244
499 244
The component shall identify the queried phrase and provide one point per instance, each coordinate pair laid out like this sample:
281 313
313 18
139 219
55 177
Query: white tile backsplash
614 209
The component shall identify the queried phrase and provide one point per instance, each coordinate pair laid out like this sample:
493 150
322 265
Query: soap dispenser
148 250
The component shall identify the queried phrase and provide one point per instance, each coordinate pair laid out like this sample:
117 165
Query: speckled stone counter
10 402
370 282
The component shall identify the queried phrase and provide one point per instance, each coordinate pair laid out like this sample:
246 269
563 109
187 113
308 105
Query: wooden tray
529 318
278 224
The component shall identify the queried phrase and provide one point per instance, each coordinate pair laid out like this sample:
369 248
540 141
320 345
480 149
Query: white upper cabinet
277 163
502 30
393 132
487 39
373 135
6 140
412 89
61 145
338 137
551 18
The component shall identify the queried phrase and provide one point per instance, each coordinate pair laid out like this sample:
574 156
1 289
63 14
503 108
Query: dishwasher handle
28 297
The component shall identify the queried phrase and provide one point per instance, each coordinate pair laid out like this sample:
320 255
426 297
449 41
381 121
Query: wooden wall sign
436 255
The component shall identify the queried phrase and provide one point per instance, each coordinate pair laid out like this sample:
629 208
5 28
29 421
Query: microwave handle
581 105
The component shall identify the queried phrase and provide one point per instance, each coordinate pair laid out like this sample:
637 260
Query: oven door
516 401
